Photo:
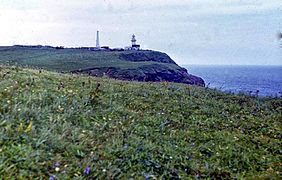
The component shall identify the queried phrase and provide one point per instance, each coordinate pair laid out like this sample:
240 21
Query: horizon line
230 64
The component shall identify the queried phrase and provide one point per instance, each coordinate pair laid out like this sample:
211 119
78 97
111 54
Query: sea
252 80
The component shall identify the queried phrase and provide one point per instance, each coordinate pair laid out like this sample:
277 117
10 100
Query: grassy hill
73 59
143 65
62 126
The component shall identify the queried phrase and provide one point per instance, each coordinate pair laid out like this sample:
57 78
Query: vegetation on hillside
63 126
65 60
141 65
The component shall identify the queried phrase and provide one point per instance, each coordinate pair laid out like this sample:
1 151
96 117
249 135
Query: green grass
58 124
71 59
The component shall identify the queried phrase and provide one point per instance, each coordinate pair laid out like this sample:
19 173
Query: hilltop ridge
137 65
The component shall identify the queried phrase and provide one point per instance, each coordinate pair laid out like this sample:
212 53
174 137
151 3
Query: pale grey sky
190 31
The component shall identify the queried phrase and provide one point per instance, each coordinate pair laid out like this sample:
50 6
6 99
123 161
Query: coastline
255 80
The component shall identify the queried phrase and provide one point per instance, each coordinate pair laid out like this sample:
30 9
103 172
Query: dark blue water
261 80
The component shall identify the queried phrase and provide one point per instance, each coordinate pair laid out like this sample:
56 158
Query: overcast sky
190 31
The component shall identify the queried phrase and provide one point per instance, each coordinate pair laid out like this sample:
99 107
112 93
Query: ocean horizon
261 80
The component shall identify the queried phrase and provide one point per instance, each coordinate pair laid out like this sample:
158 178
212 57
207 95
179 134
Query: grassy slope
68 59
128 129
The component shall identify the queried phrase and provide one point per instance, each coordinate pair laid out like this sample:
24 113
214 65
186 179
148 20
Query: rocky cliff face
153 56
158 67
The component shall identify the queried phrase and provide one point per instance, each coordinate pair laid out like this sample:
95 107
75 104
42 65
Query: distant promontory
153 66
136 65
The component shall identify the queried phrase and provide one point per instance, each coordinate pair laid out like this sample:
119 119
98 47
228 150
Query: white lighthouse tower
134 45
97 40
133 40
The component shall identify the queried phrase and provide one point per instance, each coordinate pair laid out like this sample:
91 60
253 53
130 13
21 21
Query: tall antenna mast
97 40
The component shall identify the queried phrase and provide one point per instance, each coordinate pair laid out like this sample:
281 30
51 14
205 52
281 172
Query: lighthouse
133 40
134 45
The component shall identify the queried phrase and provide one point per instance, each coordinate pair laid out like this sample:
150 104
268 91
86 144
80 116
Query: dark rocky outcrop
138 56
161 68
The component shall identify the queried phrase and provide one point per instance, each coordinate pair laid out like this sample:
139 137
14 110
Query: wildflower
57 169
148 176
77 174
52 177
87 170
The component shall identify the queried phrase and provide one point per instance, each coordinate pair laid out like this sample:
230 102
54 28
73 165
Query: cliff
158 67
